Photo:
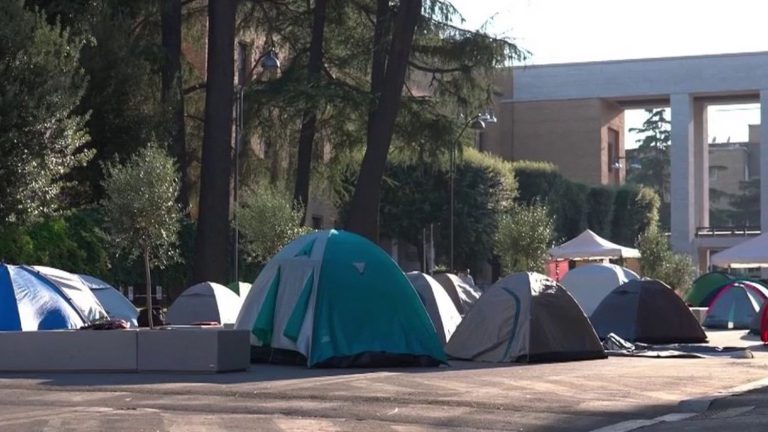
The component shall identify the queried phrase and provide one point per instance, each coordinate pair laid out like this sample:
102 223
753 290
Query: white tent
589 245
751 253
590 284
76 290
205 302
116 305
439 305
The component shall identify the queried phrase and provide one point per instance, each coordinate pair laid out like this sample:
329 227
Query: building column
701 158
764 160
682 173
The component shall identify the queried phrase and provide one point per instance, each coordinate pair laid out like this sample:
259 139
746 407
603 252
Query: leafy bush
267 220
657 261
524 236
600 210
72 242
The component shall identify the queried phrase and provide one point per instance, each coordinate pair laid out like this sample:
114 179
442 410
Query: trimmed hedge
618 214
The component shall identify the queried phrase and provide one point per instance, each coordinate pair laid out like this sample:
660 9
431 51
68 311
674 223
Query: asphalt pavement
616 394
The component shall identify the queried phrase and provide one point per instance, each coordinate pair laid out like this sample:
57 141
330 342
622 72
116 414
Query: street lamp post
269 63
477 122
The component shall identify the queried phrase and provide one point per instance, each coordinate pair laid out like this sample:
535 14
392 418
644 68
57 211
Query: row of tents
332 298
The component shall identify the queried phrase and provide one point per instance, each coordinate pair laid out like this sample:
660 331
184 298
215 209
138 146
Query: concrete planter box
193 349
68 350
189 349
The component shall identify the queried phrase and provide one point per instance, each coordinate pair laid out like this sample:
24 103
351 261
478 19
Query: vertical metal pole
452 174
238 138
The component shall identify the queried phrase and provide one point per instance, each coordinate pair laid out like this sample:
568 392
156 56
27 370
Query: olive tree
143 217
268 220
523 238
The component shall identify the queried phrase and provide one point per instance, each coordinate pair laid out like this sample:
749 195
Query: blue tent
29 301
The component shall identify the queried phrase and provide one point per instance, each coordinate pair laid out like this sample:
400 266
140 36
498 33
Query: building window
243 62
614 163
317 222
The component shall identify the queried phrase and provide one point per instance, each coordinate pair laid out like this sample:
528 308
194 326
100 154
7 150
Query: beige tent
525 317
205 302
463 295
589 245
751 253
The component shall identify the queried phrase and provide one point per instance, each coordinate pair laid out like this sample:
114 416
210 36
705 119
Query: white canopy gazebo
751 253
589 245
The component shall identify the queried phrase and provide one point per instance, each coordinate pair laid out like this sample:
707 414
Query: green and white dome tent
338 300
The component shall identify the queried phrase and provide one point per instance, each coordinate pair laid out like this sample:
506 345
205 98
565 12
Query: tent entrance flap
265 321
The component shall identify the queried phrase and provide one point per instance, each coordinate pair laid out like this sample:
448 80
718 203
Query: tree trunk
379 57
172 95
364 210
149 288
309 120
212 251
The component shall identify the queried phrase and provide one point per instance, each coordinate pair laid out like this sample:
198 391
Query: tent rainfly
438 303
589 245
335 299
114 303
751 253
590 284
525 317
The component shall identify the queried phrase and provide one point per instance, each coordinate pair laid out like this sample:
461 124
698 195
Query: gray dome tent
648 311
525 317
438 303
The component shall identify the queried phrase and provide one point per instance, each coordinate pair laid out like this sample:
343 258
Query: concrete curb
701 404
687 408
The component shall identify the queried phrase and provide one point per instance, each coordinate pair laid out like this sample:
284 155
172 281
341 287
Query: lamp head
477 124
270 62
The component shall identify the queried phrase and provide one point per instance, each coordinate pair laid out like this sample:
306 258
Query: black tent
648 311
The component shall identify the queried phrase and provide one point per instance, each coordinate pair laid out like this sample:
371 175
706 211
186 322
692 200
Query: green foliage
41 137
524 236
635 210
657 261
536 180
267 221
600 210
653 153
484 190
140 206
71 242
747 203
617 214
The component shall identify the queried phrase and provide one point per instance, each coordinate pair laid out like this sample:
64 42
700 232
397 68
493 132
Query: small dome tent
114 303
648 311
205 302
439 306
590 283
76 290
525 317
736 306
29 301
338 300
705 288
462 295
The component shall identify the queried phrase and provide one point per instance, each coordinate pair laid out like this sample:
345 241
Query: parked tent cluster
334 299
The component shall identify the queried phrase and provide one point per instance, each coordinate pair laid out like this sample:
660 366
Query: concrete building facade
564 113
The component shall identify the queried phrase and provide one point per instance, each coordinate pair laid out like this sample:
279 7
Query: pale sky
563 31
